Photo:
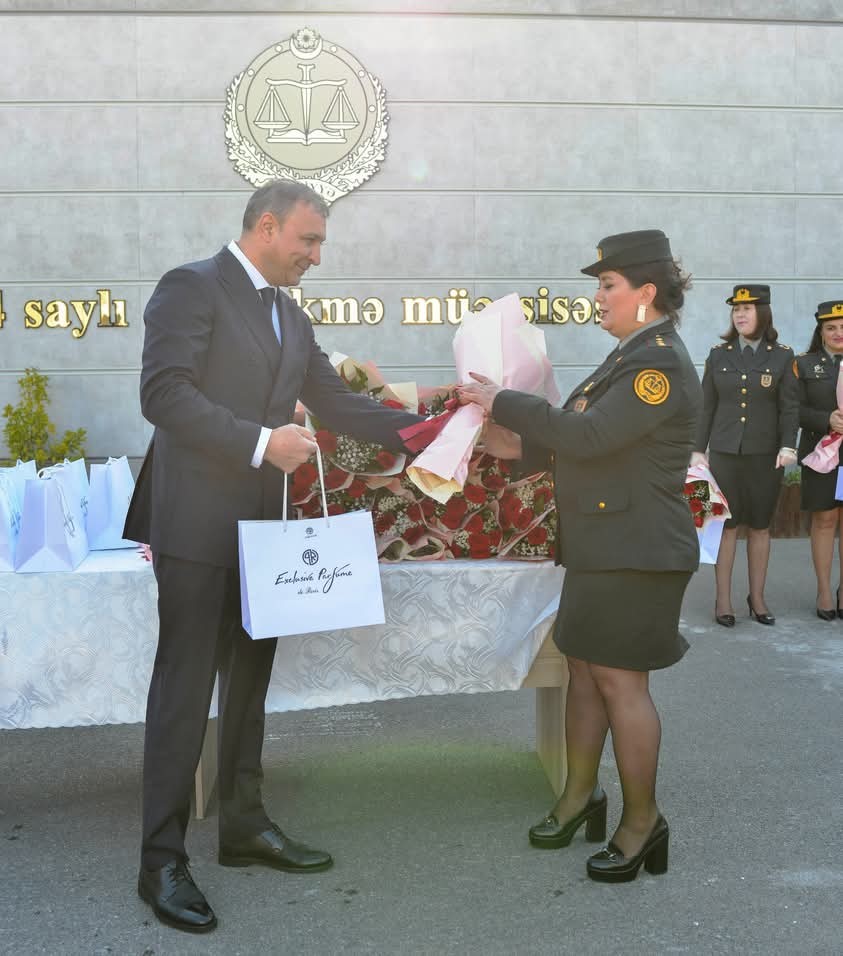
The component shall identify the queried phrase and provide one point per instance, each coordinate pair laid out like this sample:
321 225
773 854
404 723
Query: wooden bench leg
550 734
206 771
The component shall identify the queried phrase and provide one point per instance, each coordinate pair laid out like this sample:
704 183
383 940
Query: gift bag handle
321 489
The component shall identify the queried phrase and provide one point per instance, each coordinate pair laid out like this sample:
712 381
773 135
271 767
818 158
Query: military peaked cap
829 310
630 249
751 294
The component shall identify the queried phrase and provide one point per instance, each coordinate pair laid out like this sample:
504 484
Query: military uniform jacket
749 408
817 388
621 446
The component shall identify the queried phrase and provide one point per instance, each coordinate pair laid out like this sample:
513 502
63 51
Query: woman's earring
642 314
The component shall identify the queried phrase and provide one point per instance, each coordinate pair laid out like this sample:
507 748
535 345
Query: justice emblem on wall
307 110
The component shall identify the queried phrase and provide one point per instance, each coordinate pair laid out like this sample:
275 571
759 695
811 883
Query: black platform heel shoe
550 834
611 866
724 620
761 618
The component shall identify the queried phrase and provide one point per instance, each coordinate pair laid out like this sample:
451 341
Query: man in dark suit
226 356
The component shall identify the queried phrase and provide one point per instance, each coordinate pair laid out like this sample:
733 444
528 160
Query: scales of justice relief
307 110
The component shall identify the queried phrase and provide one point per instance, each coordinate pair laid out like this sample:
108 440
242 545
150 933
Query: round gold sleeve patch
651 386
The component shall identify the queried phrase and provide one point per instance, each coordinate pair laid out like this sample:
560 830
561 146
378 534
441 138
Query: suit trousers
200 635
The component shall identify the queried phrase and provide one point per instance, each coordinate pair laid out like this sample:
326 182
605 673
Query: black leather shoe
550 834
761 618
827 615
611 866
724 620
175 899
839 609
274 848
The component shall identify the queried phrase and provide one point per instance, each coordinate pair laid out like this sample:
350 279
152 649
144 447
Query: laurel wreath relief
333 181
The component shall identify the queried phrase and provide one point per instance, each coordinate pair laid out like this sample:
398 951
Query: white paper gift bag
318 574
12 482
52 528
111 488
75 483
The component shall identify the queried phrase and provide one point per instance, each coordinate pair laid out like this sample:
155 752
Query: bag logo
310 556
651 386
305 109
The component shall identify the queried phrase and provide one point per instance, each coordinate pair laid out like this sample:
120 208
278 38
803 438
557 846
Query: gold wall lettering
105 311
76 314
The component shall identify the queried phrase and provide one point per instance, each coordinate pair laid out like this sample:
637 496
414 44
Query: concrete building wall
520 134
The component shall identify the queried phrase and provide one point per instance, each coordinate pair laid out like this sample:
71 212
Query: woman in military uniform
620 447
819 414
749 423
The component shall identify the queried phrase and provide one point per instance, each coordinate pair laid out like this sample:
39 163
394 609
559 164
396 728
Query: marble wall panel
716 150
73 237
68 147
550 234
416 58
98 347
728 63
50 58
183 227
182 146
817 252
818 148
818 78
106 404
554 147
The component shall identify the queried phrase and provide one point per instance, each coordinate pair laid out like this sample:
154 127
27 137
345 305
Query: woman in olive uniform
749 424
819 414
621 446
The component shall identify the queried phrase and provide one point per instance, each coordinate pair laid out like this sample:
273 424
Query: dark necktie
748 355
270 296
837 364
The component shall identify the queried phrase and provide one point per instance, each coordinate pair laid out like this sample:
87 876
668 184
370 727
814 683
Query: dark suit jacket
817 397
213 374
750 409
621 444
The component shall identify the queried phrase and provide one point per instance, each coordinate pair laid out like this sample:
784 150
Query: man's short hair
278 196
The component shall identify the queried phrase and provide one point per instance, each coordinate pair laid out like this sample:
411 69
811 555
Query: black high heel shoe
550 834
611 866
761 618
839 609
724 620
830 614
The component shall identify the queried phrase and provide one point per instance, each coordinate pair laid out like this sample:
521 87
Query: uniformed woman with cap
819 414
749 424
620 448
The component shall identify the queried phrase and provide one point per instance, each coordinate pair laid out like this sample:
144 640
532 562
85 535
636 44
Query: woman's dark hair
764 329
817 339
670 281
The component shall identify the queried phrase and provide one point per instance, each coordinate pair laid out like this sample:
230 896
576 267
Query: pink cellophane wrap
711 532
499 343
826 456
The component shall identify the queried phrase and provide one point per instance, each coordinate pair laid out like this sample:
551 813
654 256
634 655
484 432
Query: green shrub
28 430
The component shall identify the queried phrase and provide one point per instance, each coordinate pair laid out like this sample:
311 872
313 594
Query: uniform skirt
626 619
751 485
818 490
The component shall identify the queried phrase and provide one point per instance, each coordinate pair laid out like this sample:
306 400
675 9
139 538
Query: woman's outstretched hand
482 393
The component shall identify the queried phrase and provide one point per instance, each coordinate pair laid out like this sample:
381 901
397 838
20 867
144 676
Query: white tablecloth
77 648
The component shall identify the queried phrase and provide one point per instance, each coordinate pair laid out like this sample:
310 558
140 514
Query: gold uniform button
742 418
743 378
743 404
601 505
743 391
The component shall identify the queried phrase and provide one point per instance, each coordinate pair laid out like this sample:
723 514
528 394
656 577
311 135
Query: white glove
786 457
699 458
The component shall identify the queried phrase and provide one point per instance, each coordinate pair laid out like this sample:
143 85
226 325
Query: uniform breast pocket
600 501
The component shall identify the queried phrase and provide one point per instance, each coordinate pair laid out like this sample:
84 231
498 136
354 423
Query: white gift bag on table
318 574
111 487
12 482
52 528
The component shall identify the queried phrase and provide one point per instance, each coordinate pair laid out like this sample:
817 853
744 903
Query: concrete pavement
425 804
